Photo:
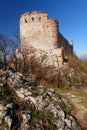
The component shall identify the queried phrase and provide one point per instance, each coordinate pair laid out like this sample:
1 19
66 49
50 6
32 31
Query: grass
17 87
46 117
37 92
6 101
73 74
58 77
5 95
78 100
40 115
78 65
52 127
85 116
52 77
68 108
82 94
79 93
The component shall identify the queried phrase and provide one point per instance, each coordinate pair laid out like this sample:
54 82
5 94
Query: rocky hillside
26 105
72 74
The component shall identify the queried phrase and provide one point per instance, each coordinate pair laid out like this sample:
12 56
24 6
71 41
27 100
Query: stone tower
38 31
41 40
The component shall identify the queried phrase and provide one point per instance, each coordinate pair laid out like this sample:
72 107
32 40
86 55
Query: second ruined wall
38 31
62 42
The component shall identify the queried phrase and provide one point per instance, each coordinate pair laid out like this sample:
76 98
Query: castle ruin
41 33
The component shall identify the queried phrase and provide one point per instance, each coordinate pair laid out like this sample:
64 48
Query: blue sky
71 14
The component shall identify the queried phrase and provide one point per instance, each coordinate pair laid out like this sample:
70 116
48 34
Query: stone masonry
38 31
41 34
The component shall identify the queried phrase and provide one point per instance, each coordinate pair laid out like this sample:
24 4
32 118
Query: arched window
39 18
25 21
32 18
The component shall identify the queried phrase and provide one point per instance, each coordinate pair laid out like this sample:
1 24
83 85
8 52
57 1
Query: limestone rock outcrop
33 106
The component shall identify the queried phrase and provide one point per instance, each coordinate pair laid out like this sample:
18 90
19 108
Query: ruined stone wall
38 31
40 38
62 42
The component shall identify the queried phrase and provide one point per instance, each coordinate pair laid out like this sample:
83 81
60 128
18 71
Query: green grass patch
82 94
37 92
17 87
85 116
52 127
6 101
68 108
79 65
38 116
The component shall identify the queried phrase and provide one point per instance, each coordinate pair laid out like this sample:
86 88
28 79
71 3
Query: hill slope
59 103
25 105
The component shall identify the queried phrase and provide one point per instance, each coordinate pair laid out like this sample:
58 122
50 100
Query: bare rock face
26 120
6 113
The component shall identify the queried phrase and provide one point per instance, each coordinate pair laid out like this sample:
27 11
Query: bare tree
17 39
7 48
